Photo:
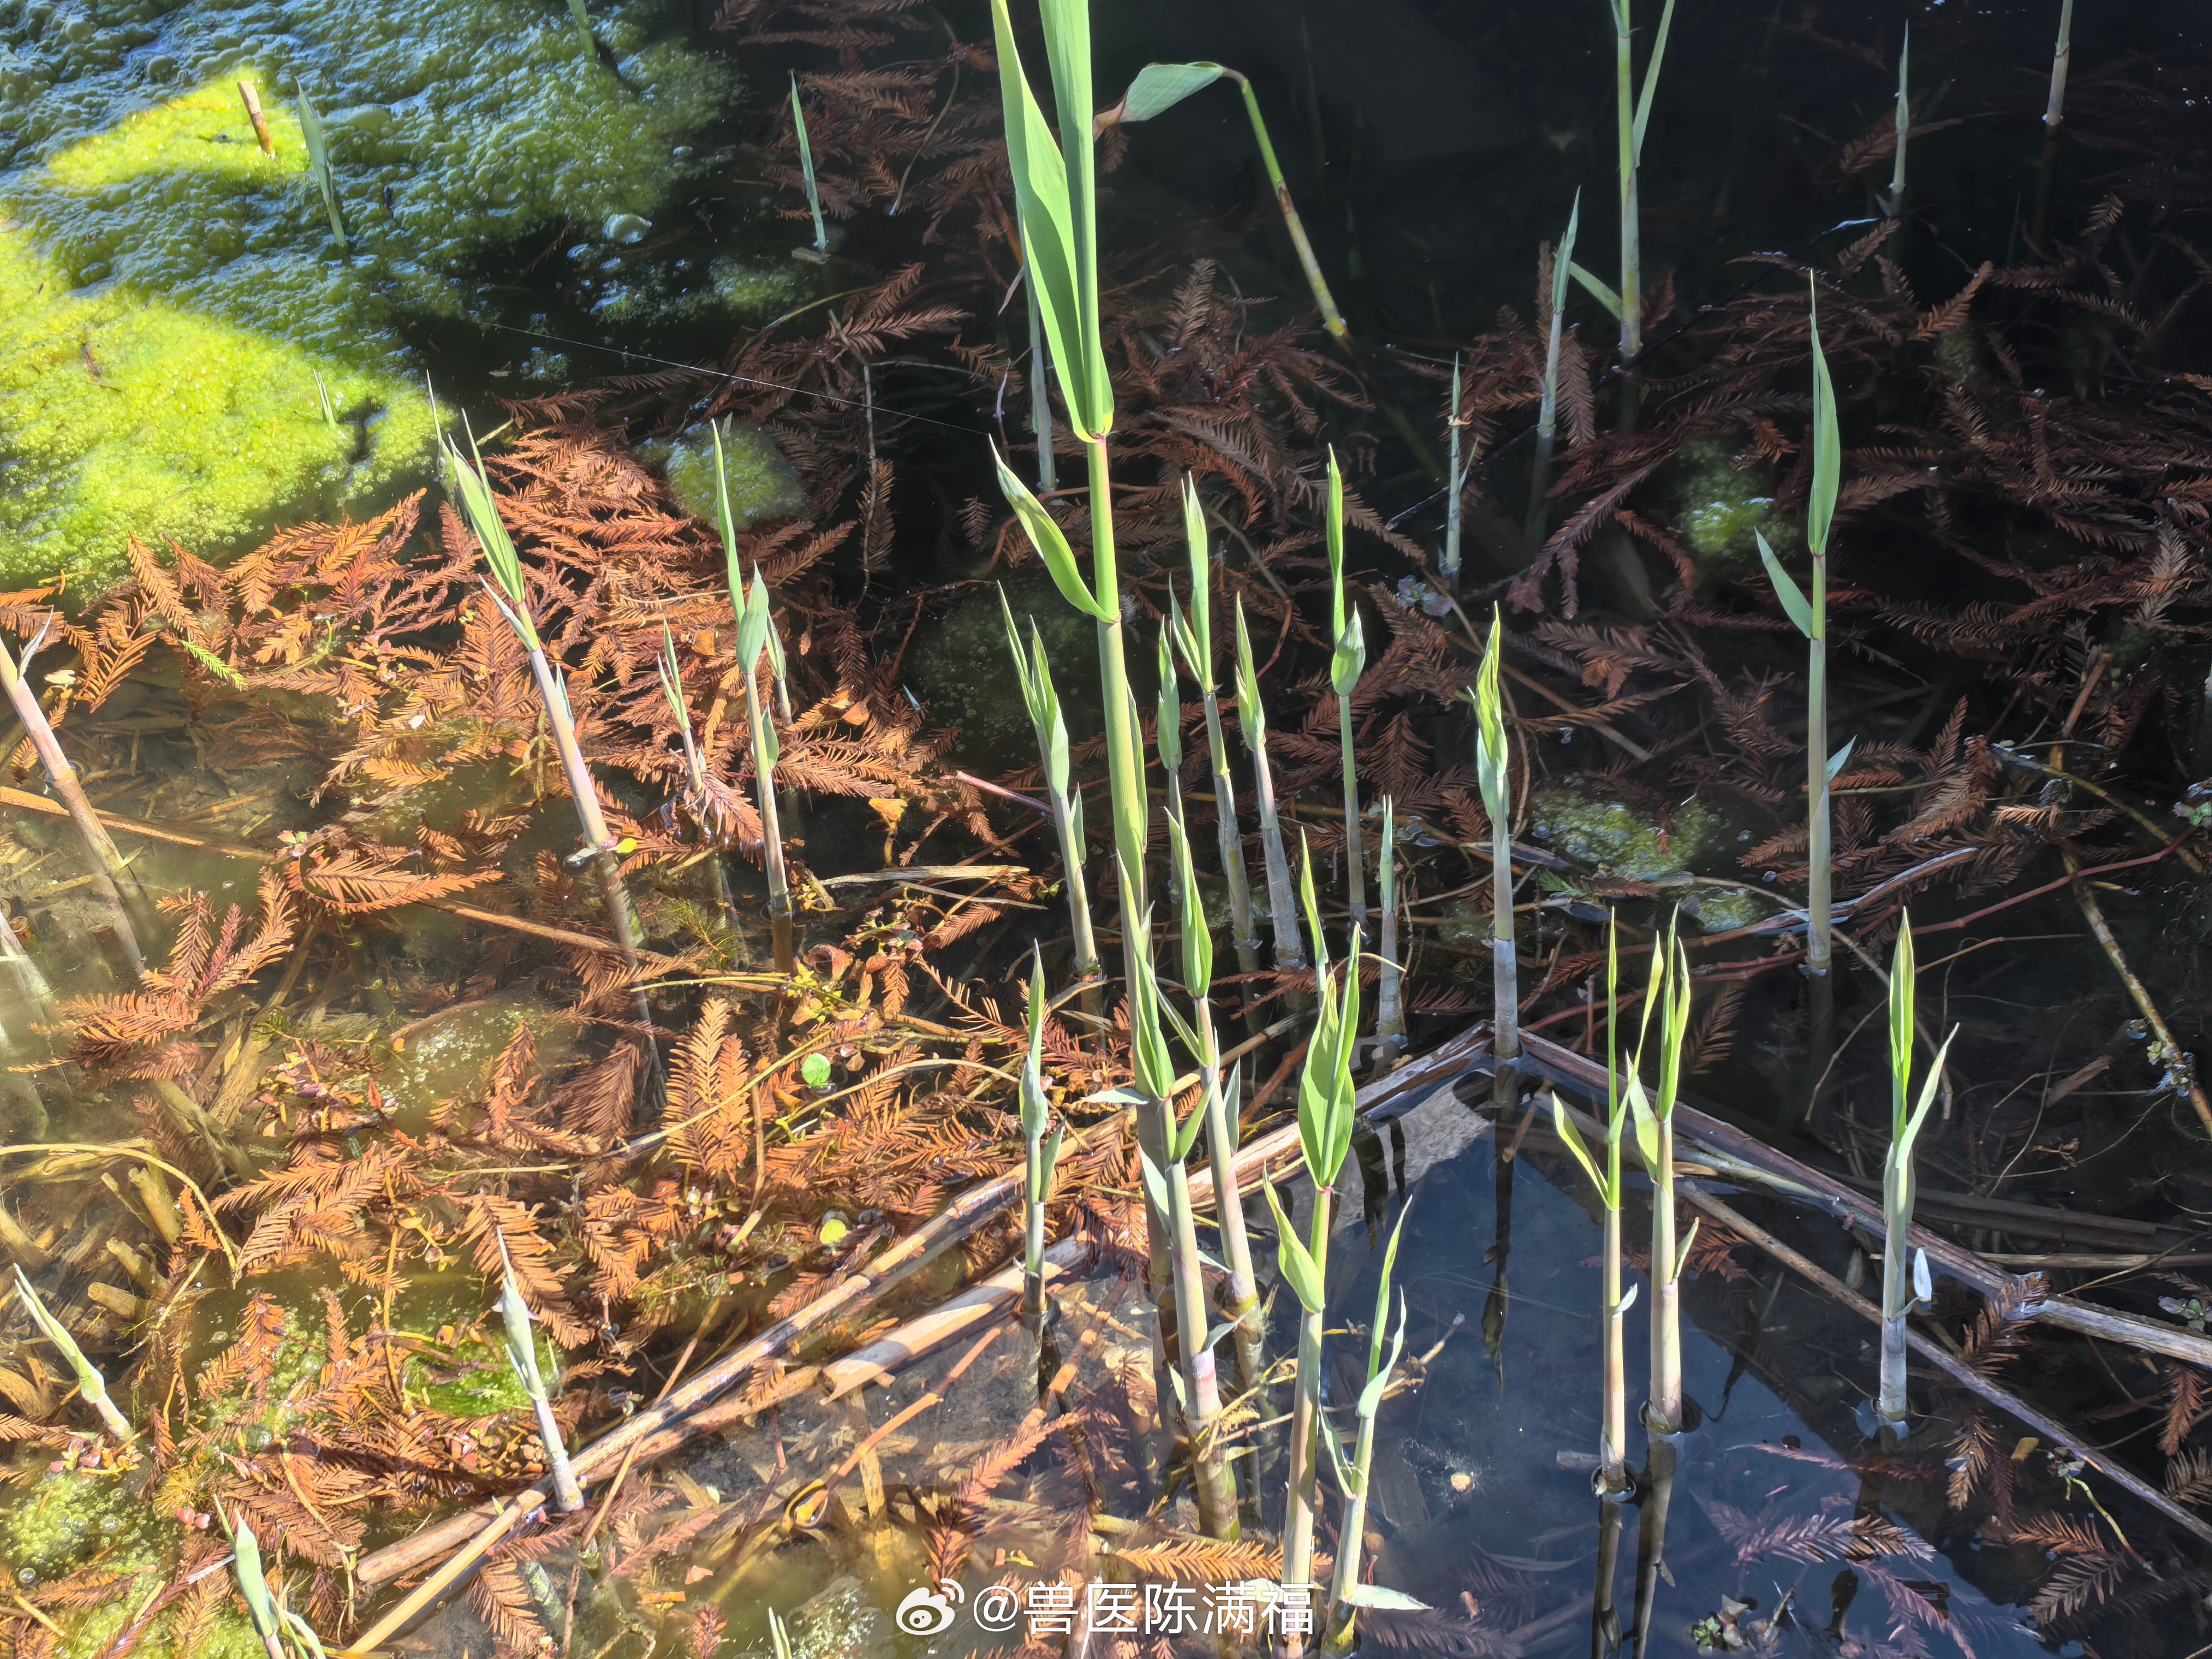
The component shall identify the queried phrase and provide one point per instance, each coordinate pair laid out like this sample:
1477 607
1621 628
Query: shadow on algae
168 293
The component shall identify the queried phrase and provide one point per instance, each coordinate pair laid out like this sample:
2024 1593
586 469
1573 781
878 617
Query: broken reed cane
111 877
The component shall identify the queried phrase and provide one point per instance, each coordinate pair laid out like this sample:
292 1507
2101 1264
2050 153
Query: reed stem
2054 112
1332 319
1389 1004
1547 415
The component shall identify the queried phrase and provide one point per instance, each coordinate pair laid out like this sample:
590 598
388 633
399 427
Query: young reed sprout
324 404
1327 1102
671 688
522 1357
1346 1595
1034 671
1167 738
1041 1149
1240 1297
110 878
1904 1276
1159 88
1894 207
253 1584
581 16
1810 614
1492 766
1668 998
1389 1003
805 164
1634 114
755 628
1348 659
1194 638
1611 1473
1456 475
509 594
1547 413
318 162
1252 724
91 1386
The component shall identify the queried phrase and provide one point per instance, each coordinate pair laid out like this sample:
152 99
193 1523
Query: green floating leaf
814 1069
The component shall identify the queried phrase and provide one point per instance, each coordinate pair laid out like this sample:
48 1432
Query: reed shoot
522 1357
1547 414
754 627
1193 639
1240 1295
1345 664
1668 998
1041 1150
1327 1102
1634 114
1455 473
580 13
324 406
91 1386
1810 614
319 164
253 1585
1492 765
806 163
1034 671
510 595
1252 723
1389 1002
1344 1597
2054 114
1612 1475
1904 1271
1894 207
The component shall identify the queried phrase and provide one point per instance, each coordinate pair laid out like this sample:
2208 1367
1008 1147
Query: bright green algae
763 483
168 293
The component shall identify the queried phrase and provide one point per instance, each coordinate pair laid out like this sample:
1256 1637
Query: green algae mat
186 349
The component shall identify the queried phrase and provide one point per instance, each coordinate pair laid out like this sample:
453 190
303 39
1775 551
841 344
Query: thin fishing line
724 374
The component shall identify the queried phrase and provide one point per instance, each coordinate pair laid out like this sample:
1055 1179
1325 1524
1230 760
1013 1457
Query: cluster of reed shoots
1905 1277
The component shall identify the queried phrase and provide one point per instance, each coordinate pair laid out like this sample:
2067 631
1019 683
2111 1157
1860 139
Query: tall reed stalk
1455 474
1547 413
1634 114
111 877
806 167
1810 614
1346 1595
1668 998
1033 671
1327 1102
1347 660
1252 723
1041 1151
510 595
1612 1476
1239 1294
1492 766
1904 1278
91 1386
1193 639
